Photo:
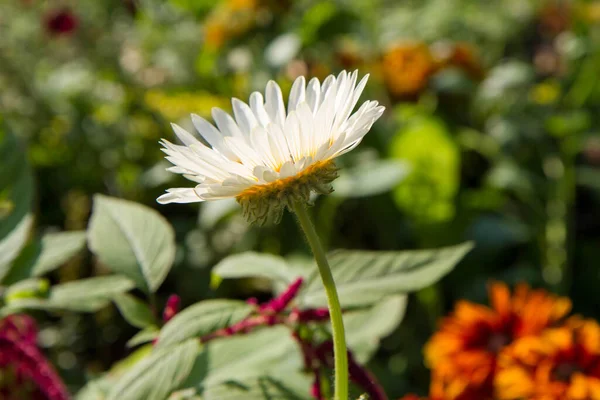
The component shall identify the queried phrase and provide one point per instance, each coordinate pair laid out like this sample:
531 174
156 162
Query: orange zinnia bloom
561 364
462 354
407 68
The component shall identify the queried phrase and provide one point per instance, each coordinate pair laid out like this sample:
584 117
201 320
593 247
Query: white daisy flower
266 157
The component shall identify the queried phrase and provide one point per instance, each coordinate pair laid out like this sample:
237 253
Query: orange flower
407 68
462 354
415 397
561 364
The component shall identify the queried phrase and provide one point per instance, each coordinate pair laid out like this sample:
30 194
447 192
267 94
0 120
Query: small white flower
266 151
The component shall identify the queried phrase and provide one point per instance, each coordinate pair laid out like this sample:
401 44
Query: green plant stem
335 310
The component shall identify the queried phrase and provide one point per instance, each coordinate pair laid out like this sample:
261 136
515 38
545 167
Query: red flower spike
61 22
279 303
26 373
253 301
315 389
172 307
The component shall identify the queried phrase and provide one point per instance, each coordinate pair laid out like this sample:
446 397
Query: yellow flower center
261 203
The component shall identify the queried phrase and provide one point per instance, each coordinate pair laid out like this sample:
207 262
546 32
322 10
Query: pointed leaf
144 336
156 376
258 353
58 248
366 328
365 277
135 311
12 244
291 386
251 264
133 240
201 319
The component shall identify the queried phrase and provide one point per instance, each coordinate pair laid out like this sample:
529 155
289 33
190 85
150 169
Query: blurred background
491 134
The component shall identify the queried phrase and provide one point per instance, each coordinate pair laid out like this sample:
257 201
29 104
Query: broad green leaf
98 388
86 295
258 353
132 239
201 319
369 179
144 336
365 277
12 244
156 376
46 254
250 264
16 198
291 386
58 248
366 328
135 311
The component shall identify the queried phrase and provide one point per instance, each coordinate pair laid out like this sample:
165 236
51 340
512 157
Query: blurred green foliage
492 110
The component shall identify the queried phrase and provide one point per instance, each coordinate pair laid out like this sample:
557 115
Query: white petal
274 103
179 195
183 135
243 116
226 123
313 94
287 169
212 136
297 94
257 105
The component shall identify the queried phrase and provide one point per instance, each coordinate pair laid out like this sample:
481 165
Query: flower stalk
333 302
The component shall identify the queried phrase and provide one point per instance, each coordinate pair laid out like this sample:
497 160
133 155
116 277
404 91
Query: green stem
335 310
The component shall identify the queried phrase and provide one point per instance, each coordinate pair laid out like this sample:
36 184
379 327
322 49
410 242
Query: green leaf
98 388
251 264
259 353
201 319
28 288
366 328
365 277
41 256
144 336
291 386
86 295
16 198
156 376
58 248
370 178
12 244
133 240
135 311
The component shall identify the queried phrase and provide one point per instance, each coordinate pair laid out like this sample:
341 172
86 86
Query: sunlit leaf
365 277
366 328
144 336
251 355
135 311
156 376
133 240
251 264
291 386
201 319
